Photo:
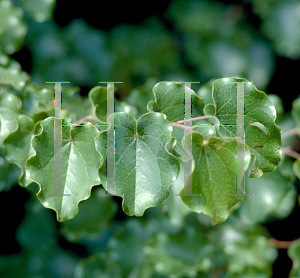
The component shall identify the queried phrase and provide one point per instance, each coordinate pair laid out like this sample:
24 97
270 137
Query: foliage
208 234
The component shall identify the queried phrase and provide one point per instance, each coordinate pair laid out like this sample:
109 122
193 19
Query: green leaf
9 174
12 27
9 111
39 10
13 75
214 177
126 247
246 250
37 99
140 96
93 216
98 97
98 265
18 147
78 53
262 135
144 169
77 106
205 92
274 198
80 164
284 34
296 111
294 254
174 206
180 254
170 100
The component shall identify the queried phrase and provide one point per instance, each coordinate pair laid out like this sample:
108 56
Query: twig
280 244
184 126
291 153
83 119
294 131
190 120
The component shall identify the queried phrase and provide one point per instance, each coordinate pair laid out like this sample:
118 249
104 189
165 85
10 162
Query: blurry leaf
97 266
296 168
144 169
294 254
13 76
9 111
37 99
41 255
281 25
80 164
247 251
78 53
144 51
180 254
205 92
126 247
262 135
12 27
296 111
39 10
218 42
77 106
140 96
9 174
274 198
18 146
98 97
93 216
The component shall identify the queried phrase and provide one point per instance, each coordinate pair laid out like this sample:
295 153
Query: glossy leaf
214 177
12 27
80 164
294 254
18 147
262 135
170 100
144 169
9 111
93 216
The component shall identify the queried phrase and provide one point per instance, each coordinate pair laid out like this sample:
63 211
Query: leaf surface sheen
144 169
80 165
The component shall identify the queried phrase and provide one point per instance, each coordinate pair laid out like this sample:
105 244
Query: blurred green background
140 45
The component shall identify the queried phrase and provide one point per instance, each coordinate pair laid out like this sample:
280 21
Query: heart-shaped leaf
170 100
80 165
262 135
214 177
144 169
